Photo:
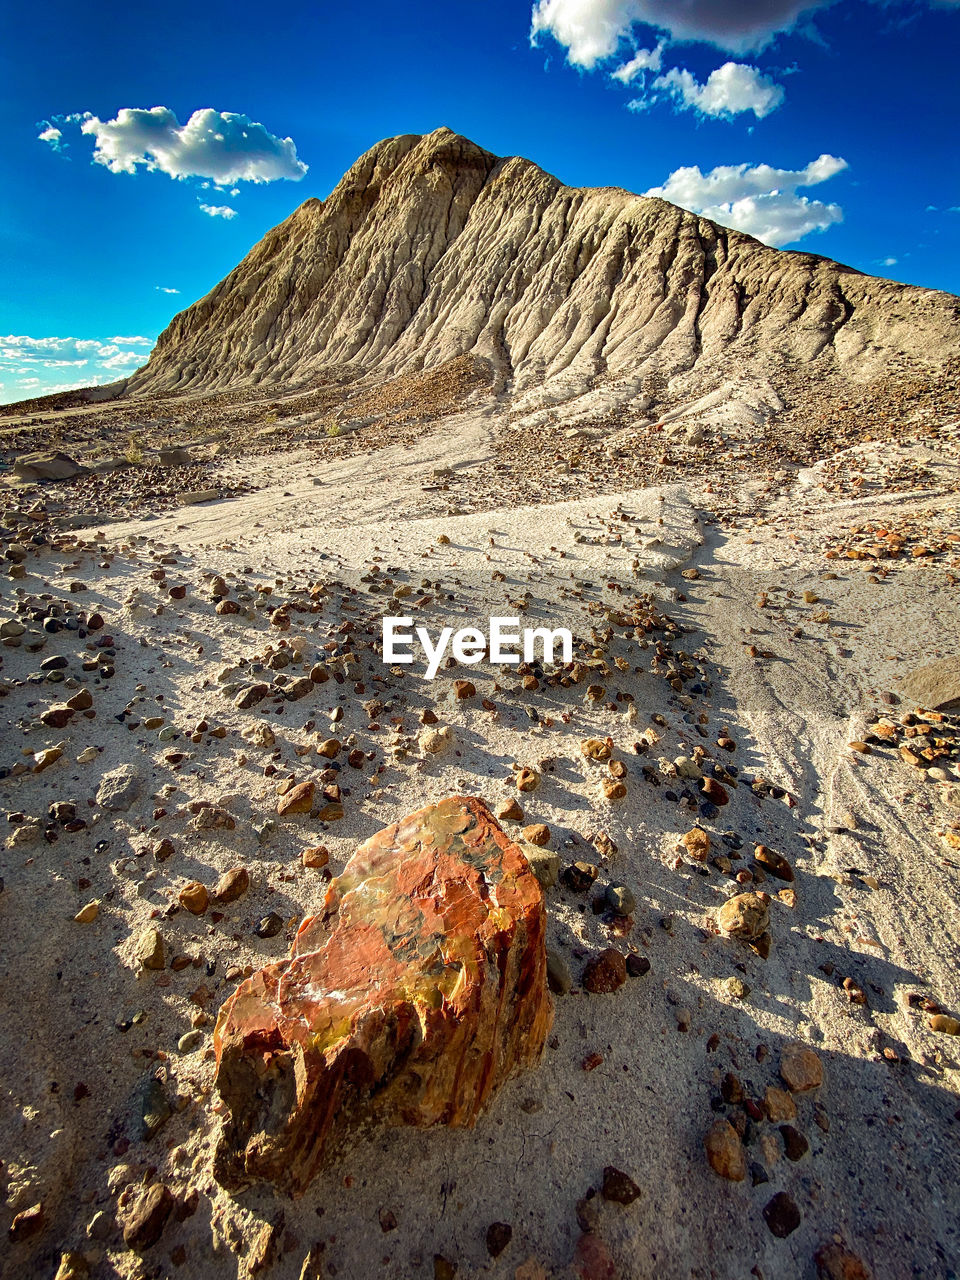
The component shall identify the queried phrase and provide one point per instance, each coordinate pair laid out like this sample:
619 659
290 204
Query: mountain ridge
431 248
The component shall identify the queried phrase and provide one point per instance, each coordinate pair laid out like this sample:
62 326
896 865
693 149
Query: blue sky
147 151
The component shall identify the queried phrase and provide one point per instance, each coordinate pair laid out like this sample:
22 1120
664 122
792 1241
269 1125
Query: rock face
431 250
420 987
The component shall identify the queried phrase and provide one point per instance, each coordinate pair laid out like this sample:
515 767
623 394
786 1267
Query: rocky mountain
431 248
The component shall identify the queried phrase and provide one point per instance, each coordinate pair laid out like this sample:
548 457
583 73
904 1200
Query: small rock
73 1266
745 915
26 1223
316 856
781 1215
795 1144
735 988
779 1105
944 1023
269 926
537 833
775 863
435 741
44 759
800 1067
145 1222
714 792
620 898
89 913
194 897
232 884
618 1186
697 844
544 864
250 696
154 1109
605 972
725 1151
149 951
259 735
579 876
835 1262
118 789
559 978
499 1235
298 799
214 818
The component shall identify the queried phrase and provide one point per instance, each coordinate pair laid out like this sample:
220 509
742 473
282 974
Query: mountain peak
431 248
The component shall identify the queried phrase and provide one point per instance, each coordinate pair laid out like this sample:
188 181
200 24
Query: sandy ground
875 901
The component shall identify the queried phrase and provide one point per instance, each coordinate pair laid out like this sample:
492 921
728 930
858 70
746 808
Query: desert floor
98 1050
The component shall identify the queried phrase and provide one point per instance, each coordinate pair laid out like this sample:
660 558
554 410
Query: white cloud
123 359
26 363
760 200
51 135
591 30
729 90
219 211
887 262
222 146
162 289
643 60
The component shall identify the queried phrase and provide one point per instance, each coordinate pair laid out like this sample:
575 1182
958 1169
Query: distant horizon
821 127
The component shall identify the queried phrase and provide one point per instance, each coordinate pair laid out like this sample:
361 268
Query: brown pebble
725 1151
232 884
781 1215
605 972
800 1067
537 833
618 1186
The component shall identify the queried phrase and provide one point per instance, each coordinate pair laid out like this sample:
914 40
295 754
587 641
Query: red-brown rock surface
419 988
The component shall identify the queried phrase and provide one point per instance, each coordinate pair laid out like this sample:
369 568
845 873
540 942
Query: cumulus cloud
219 211
160 288
222 146
29 366
591 30
729 90
761 200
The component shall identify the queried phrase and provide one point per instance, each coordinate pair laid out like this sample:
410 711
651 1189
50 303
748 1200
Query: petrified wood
415 992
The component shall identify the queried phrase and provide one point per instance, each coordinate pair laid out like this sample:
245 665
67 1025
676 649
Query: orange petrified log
416 992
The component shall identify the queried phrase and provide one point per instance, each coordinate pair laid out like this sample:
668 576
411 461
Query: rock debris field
735 818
